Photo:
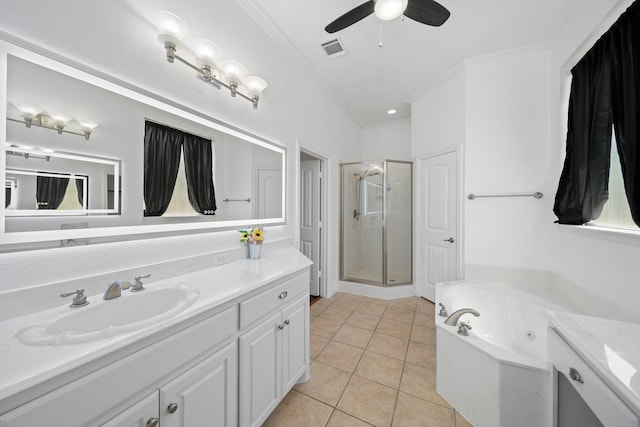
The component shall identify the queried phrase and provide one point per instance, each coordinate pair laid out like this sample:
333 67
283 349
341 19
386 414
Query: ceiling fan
427 12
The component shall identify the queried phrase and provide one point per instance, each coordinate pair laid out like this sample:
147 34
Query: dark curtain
198 163
162 147
50 191
584 183
603 93
80 189
625 51
7 197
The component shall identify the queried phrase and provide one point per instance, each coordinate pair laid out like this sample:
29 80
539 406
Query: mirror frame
12 46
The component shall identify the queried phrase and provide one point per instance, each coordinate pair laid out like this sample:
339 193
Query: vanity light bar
229 74
28 155
47 122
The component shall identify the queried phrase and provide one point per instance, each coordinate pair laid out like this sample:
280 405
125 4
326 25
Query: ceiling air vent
333 48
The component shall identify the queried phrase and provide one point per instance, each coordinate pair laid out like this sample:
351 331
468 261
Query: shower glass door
398 220
362 218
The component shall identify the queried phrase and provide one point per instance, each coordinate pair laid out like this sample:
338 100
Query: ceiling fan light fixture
387 10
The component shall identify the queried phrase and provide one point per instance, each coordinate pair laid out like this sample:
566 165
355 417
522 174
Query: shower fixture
358 191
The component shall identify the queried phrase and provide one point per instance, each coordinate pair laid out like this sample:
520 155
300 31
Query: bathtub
499 374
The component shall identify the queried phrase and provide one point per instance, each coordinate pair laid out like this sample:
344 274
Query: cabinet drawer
272 299
604 403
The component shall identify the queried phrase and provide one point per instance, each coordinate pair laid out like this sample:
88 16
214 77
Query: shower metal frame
384 282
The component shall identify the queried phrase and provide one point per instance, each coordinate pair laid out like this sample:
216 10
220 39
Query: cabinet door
141 414
295 344
205 395
260 371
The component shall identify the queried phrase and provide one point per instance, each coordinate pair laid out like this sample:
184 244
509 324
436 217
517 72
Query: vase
254 250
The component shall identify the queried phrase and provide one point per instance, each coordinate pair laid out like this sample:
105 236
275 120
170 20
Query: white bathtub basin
130 312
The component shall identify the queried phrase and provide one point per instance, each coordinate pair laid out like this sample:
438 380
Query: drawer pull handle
286 322
172 408
575 375
283 295
153 422
280 326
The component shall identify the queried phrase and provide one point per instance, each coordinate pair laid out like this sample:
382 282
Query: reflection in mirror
247 171
40 183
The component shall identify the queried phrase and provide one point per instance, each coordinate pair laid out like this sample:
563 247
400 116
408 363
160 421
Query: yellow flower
244 235
258 234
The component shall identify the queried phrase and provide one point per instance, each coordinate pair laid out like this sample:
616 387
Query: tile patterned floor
372 364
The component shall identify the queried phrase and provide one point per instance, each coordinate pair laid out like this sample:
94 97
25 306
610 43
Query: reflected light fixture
392 111
387 10
87 127
229 73
33 116
28 113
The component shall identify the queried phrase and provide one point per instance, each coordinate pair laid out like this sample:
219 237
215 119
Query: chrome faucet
453 319
114 290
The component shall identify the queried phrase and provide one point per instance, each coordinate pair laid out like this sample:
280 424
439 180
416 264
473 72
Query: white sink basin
130 312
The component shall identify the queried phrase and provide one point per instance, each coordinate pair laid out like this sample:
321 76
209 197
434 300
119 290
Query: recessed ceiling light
392 111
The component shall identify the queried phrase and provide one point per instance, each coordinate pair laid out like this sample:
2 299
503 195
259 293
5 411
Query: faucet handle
137 283
463 329
443 310
79 300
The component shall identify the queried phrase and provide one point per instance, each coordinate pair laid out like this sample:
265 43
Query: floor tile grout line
404 361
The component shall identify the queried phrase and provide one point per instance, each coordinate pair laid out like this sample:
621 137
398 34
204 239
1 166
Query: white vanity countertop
24 366
610 347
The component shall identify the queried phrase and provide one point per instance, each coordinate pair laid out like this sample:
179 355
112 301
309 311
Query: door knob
173 407
450 240
575 375
153 422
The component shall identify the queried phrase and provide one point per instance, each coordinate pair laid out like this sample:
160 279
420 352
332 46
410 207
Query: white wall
600 263
509 113
294 109
496 107
389 140
506 151
438 118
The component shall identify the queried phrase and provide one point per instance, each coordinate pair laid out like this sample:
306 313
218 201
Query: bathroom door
437 222
310 219
269 194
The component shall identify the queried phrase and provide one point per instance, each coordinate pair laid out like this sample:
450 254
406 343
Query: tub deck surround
610 347
24 367
499 374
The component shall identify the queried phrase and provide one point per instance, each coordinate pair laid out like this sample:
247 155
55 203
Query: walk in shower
376 222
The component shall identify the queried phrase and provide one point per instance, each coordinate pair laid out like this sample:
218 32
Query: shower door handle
450 240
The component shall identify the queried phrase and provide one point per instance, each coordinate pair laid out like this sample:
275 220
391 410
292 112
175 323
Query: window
178 172
604 95
616 212
179 204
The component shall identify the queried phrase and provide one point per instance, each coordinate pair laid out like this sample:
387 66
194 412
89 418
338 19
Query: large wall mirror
74 160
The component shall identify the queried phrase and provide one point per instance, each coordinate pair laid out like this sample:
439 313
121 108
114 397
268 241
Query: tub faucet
443 310
453 319
114 290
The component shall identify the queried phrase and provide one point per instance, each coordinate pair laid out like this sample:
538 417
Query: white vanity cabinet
274 354
595 370
228 364
142 414
208 390
585 400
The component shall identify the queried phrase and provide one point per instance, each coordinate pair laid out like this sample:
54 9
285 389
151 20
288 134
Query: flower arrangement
253 236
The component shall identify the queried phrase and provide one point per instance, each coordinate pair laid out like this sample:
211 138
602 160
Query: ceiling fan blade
427 12
351 17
